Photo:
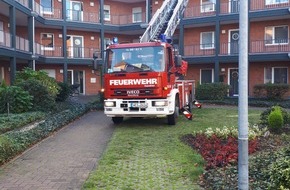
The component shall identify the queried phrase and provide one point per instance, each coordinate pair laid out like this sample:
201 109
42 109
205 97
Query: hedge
212 91
271 91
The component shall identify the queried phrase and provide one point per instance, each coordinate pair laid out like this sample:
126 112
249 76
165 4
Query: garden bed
221 170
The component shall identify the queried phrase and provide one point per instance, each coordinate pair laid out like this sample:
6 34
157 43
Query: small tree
42 100
50 83
64 92
275 119
14 99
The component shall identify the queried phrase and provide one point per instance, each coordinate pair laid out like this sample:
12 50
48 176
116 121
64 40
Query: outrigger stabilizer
196 103
187 112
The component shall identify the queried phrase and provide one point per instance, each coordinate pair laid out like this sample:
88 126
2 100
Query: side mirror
96 55
178 60
97 63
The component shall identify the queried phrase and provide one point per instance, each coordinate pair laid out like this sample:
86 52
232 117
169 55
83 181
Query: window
270 2
50 72
107 13
137 14
268 75
207 5
280 75
207 40
46 6
47 41
276 35
276 75
206 76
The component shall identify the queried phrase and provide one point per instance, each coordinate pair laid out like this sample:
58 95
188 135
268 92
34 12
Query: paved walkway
62 161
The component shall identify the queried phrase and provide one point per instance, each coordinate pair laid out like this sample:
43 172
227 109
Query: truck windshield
136 59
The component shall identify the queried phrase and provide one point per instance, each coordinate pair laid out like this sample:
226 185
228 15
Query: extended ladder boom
165 20
174 20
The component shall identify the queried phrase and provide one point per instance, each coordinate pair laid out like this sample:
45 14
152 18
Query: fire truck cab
141 80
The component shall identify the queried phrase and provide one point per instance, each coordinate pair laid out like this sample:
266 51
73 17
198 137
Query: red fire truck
143 79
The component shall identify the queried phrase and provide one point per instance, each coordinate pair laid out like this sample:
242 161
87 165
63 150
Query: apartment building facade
60 37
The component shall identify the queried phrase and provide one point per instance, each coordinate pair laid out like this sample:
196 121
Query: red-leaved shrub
218 152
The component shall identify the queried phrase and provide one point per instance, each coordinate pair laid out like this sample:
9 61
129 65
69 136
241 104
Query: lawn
149 154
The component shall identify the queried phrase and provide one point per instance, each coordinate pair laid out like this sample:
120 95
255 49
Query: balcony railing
232 7
267 4
229 48
48 51
5 39
232 48
21 43
80 52
200 11
82 16
265 47
199 50
125 19
23 2
49 13
72 52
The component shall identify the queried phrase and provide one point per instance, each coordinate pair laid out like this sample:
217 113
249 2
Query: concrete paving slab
63 160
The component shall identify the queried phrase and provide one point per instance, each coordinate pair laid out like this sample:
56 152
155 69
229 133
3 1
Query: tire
117 120
172 119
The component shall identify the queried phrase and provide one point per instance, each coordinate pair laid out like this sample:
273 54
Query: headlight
160 103
110 104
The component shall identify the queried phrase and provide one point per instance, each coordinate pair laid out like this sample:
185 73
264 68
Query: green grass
148 154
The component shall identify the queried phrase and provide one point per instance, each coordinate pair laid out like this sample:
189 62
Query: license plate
138 105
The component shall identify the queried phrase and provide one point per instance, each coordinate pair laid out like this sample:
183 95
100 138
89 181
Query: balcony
82 16
199 50
5 39
232 48
200 11
268 4
125 19
233 7
48 51
80 52
72 52
23 2
21 43
269 46
49 13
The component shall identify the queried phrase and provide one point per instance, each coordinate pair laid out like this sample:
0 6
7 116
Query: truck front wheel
171 119
117 120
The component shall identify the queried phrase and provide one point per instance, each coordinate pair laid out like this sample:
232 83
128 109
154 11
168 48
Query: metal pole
243 165
33 41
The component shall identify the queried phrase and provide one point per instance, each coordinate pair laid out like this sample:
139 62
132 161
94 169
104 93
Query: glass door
76 78
234 6
234 82
234 42
77 11
75 47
